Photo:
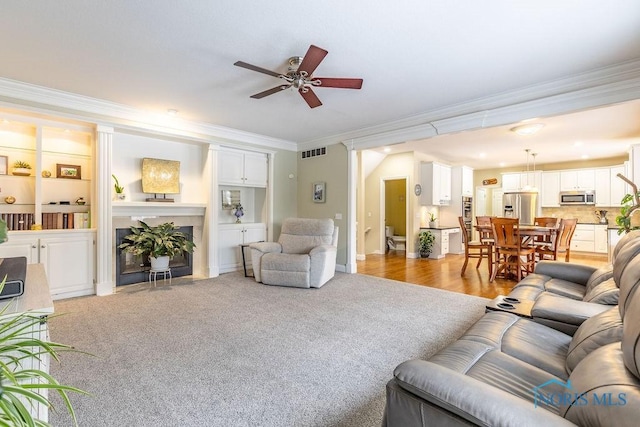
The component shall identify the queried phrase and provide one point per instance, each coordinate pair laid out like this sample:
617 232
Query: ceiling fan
300 76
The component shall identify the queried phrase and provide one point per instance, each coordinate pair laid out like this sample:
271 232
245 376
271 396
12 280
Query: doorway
394 204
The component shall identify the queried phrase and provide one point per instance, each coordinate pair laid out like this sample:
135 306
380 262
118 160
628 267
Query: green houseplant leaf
162 240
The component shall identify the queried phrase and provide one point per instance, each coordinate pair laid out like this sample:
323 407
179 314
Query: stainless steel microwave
578 197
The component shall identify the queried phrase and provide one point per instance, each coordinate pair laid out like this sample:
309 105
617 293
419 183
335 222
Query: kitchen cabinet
521 181
602 186
600 239
550 189
231 236
467 181
590 238
577 179
68 257
441 244
436 184
618 188
242 168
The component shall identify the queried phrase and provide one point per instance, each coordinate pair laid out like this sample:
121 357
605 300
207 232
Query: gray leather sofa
566 294
508 370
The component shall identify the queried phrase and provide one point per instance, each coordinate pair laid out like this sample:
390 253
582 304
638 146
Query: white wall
129 150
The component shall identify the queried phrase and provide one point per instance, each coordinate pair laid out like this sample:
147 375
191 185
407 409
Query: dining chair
560 243
511 256
486 235
544 221
475 249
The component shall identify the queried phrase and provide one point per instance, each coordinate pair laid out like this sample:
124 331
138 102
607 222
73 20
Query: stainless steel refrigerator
523 205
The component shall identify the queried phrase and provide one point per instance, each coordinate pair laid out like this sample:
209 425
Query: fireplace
135 269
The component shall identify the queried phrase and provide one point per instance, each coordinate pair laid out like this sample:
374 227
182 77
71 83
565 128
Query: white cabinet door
231 236
467 181
255 169
68 262
600 239
230 239
510 182
240 168
579 179
436 184
445 184
603 186
231 167
550 189
618 187
17 246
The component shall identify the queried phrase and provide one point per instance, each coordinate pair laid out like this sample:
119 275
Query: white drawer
582 245
587 235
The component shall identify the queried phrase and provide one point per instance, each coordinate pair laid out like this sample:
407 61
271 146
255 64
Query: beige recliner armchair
303 257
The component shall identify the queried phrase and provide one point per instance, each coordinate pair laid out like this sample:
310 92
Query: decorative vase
120 196
433 224
10 200
425 254
160 263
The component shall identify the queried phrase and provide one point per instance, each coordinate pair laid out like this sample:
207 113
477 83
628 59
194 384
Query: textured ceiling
414 56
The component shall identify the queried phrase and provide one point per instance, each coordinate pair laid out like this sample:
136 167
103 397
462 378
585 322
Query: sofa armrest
470 399
564 314
569 271
266 247
257 250
321 249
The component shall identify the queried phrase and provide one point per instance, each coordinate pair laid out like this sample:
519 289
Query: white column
269 219
101 208
210 230
352 181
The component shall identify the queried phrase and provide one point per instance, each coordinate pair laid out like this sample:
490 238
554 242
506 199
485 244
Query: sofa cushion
286 262
606 292
600 275
512 335
300 235
597 331
565 288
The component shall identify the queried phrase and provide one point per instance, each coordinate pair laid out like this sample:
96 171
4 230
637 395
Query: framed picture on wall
68 171
319 192
4 164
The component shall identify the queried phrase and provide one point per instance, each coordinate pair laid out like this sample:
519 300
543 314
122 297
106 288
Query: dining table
527 232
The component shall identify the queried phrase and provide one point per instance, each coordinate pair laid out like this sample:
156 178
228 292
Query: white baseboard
361 257
105 288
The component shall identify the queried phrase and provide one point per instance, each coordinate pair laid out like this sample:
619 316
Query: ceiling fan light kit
299 76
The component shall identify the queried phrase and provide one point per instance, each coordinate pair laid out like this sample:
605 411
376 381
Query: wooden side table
244 259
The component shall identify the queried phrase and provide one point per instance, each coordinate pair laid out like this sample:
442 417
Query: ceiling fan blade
270 91
339 82
256 68
311 98
312 59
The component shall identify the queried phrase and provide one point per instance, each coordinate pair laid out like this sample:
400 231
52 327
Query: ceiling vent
314 153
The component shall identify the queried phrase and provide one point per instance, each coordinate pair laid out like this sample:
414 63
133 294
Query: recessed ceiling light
386 149
483 155
577 144
526 130
502 164
172 112
585 156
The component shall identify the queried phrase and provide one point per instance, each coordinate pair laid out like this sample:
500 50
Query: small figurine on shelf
239 213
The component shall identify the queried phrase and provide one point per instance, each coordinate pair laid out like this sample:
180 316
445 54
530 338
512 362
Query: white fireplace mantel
157 209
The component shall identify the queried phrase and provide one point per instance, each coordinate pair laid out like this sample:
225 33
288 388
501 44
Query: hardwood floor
445 273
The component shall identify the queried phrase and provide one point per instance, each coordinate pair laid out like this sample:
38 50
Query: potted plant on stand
425 243
21 168
160 243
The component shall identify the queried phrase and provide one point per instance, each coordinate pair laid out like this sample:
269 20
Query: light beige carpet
231 352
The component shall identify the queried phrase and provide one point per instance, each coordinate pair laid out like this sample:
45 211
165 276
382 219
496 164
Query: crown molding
78 107
603 86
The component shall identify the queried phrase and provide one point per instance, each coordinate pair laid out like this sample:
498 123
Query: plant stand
153 274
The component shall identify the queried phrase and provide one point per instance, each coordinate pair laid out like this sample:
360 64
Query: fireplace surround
135 269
